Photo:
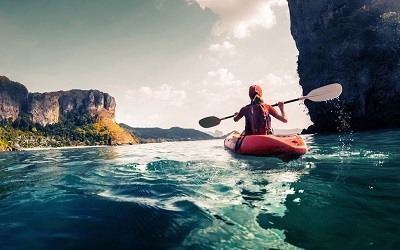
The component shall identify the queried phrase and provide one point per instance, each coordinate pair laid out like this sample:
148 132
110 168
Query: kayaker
257 113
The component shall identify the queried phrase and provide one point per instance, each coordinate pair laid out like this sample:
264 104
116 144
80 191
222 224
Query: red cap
255 90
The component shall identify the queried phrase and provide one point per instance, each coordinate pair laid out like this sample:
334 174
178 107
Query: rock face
43 108
46 108
13 97
355 43
50 108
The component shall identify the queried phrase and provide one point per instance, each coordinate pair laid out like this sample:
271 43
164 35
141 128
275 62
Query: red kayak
285 147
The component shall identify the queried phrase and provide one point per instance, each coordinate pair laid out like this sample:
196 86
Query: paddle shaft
293 100
227 117
274 105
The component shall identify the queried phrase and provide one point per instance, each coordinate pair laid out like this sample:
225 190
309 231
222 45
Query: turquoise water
343 194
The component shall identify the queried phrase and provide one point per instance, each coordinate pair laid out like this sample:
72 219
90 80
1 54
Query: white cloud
221 78
239 18
220 87
165 94
227 99
226 48
277 87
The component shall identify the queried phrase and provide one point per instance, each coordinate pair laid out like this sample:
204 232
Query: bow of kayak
286 147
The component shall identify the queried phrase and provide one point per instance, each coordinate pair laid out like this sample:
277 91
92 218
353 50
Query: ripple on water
18 167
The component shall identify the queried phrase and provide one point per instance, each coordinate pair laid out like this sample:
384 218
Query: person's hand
280 105
235 114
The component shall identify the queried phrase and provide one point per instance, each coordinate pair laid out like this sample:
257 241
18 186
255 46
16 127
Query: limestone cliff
45 108
356 43
13 96
19 106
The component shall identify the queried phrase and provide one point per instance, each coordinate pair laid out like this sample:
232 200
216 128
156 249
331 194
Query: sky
166 62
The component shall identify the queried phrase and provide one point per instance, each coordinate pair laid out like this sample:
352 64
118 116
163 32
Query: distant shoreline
95 146
66 147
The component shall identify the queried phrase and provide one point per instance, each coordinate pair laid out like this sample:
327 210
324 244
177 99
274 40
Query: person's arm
239 115
281 117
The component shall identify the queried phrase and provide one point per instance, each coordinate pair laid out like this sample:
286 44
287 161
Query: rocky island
355 43
62 118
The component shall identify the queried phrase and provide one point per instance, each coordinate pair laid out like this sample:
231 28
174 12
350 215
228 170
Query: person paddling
257 113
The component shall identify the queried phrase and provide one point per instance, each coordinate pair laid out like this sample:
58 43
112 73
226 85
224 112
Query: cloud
276 87
165 94
239 18
226 48
221 78
220 87
232 97
275 81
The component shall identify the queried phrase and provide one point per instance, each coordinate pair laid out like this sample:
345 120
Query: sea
343 194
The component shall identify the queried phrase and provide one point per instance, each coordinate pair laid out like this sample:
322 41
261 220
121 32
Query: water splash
343 117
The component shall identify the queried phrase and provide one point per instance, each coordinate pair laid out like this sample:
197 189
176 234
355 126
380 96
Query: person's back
258 121
257 113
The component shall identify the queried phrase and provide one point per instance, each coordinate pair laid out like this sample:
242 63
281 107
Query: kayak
286 147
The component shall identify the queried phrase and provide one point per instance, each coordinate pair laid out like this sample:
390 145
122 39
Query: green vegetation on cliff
10 135
106 126
74 129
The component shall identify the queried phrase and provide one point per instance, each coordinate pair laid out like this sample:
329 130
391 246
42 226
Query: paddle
320 94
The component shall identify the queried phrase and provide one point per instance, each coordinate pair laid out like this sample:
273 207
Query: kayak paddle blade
325 93
209 122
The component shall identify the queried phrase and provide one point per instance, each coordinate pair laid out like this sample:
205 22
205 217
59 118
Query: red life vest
258 121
